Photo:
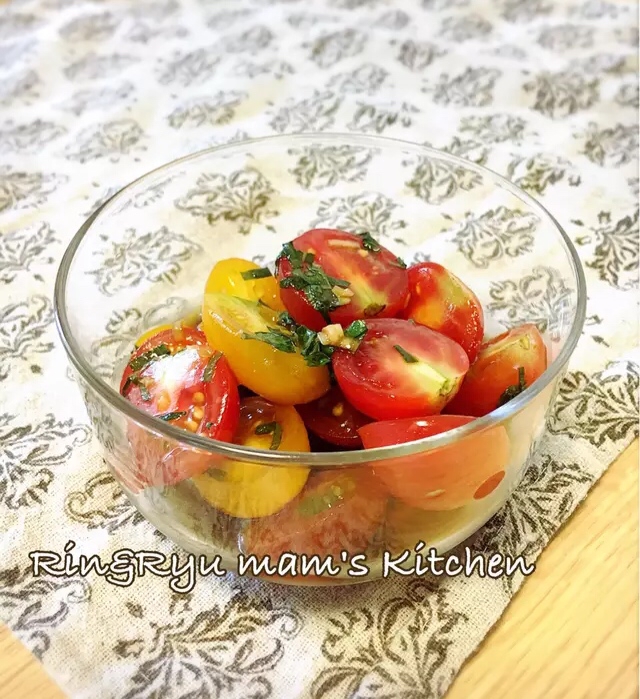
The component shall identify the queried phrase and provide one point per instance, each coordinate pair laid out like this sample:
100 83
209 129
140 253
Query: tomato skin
496 369
378 381
380 285
226 278
440 301
175 383
333 419
447 478
251 490
337 511
280 377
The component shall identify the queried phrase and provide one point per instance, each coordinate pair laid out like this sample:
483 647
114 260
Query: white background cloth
93 94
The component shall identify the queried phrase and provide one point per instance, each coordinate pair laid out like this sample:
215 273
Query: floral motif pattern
495 128
93 66
400 648
363 213
617 251
29 452
243 197
230 648
473 88
418 55
375 118
536 173
560 94
28 138
23 327
113 138
98 99
218 109
20 250
155 256
25 190
539 297
611 147
366 79
495 234
601 408
319 166
192 68
332 48
316 113
38 606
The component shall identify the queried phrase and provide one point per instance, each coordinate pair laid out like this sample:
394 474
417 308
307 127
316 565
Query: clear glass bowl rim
337 459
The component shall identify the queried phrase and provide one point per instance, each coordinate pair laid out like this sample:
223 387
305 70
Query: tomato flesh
400 369
248 490
505 366
333 419
440 301
337 511
176 376
448 477
377 284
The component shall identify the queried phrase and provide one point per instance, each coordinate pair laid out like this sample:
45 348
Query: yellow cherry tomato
243 279
262 354
252 490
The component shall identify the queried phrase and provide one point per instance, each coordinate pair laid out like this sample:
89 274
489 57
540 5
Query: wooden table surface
570 633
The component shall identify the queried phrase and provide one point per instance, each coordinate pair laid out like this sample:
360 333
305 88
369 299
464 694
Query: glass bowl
142 260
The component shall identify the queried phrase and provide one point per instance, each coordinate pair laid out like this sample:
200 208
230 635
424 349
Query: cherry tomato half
334 419
337 511
177 377
246 280
447 478
260 351
504 367
400 369
440 301
324 267
253 490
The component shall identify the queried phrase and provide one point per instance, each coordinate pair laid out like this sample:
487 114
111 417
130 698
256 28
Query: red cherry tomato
440 301
372 282
177 377
504 367
337 511
400 369
447 478
334 419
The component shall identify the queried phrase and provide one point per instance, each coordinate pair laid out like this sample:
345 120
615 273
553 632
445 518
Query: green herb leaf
211 367
137 381
275 338
218 474
273 428
369 243
168 417
286 321
309 278
513 391
357 330
143 360
319 502
408 358
399 262
259 273
313 351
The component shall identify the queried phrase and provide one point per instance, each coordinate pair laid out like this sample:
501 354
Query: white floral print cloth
93 94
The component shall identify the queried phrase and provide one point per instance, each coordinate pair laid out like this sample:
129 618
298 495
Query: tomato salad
340 347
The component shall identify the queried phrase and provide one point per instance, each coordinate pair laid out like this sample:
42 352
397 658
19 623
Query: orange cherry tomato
447 478
262 354
244 489
246 280
504 367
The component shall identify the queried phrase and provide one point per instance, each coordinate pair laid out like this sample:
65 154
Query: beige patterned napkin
93 94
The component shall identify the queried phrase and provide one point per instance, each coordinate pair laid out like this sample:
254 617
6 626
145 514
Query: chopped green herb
286 321
208 425
143 360
275 338
369 243
137 381
513 391
211 367
311 280
313 351
374 309
273 428
168 417
319 502
399 262
408 358
357 330
259 273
